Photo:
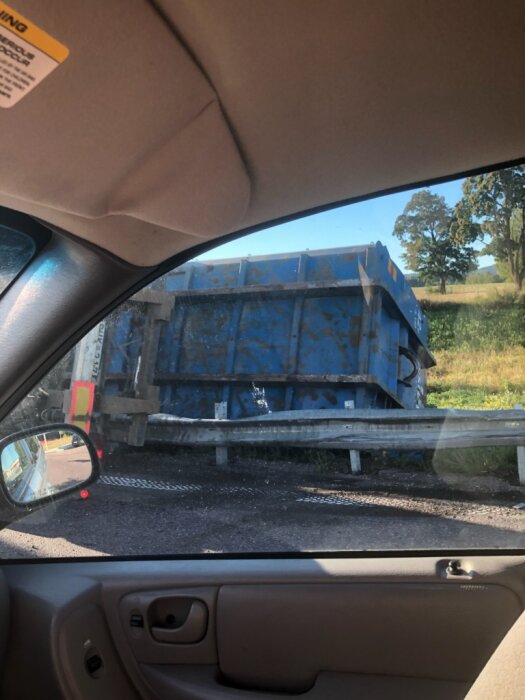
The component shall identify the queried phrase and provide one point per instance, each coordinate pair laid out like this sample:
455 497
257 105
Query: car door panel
204 684
320 628
89 665
424 630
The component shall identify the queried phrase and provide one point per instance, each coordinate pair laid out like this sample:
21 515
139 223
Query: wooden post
355 457
221 453
521 456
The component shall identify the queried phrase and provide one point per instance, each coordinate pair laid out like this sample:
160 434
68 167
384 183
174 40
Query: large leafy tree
497 201
427 229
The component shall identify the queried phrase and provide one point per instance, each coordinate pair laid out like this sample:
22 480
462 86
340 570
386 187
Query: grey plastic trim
191 683
58 297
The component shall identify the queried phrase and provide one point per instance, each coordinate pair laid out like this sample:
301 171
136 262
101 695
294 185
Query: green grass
468 293
479 347
486 461
467 461
477 379
474 398
477 335
475 326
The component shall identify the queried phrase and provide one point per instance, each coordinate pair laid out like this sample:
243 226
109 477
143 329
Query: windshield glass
16 250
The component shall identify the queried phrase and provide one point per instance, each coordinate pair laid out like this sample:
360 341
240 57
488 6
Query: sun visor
126 123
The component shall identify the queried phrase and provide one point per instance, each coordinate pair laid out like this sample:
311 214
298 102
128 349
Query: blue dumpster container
307 330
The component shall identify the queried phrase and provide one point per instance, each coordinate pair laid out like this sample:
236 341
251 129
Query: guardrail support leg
221 453
355 457
521 465
521 457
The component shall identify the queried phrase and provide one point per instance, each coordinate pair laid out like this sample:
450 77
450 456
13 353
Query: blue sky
354 224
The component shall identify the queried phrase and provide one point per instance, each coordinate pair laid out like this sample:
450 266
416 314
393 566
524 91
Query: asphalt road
68 467
162 508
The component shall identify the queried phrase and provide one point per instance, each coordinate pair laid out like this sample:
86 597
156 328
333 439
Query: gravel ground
154 504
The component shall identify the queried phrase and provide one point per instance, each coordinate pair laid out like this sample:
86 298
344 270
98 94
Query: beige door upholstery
504 675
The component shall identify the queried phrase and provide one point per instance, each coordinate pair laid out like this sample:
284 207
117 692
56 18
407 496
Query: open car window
350 381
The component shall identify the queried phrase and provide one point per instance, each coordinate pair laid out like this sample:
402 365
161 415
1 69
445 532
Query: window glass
16 249
349 381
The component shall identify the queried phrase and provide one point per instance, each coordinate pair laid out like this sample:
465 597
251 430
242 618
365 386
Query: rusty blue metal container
307 330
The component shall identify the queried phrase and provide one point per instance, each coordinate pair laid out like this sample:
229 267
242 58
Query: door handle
190 631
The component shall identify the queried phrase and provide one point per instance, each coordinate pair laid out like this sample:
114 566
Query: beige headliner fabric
338 98
125 144
127 125
503 678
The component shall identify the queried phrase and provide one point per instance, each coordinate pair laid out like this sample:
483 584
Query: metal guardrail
358 429
397 429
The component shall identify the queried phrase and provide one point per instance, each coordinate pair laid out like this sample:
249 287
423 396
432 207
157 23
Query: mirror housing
43 464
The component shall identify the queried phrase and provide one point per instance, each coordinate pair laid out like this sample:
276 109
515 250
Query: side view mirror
41 464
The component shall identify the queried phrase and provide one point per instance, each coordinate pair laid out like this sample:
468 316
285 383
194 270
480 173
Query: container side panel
212 276
324 268
381 268
170 340
166 396
204 344
173 282
269 272
193 399
322 396
263 336
329 335
125 342
384 349
255 400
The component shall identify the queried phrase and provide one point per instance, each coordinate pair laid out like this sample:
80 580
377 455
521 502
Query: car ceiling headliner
177 121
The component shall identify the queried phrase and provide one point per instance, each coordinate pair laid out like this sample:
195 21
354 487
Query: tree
483 277
497 201
502 269
427 229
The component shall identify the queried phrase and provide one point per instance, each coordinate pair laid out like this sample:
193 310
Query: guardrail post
221 453
355 457
521 456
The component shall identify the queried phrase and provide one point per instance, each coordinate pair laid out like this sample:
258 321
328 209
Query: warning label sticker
27 55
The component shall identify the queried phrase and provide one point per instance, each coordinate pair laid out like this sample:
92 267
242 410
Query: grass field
467 293
478 379
477 334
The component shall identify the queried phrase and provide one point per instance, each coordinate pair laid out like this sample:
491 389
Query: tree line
438 240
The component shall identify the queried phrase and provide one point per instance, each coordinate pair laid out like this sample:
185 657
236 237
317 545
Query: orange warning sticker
82 400
27 55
